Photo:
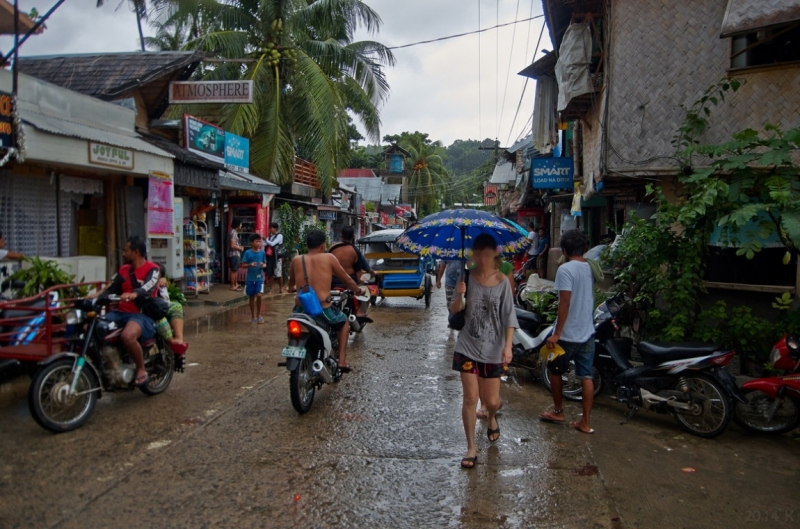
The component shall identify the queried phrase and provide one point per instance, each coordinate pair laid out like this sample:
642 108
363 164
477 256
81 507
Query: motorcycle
773 403
312 353
349 304
65 389
687 380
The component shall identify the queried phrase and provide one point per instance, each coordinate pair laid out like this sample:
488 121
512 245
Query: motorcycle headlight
74 317
774 355
792 343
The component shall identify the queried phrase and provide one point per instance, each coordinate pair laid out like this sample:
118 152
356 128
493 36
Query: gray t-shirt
490 310
576 277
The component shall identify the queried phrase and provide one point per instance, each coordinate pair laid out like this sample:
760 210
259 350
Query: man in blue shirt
541 253
255 261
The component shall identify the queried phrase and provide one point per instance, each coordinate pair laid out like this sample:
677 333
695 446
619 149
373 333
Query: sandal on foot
260 320
549 416
345 368
141 380
490 432
577 426
471 460
482 414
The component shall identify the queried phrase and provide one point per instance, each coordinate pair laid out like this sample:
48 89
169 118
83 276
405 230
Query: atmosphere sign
211 92
205 139
552 173
237 153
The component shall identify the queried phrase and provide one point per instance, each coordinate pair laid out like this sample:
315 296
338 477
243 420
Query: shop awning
746 16
246 182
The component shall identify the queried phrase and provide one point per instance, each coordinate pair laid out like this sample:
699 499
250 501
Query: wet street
223 447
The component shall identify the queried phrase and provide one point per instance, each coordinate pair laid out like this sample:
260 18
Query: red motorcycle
773 403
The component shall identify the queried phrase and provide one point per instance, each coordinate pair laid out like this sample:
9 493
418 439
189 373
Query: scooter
688 380
349 303
312 355
773 403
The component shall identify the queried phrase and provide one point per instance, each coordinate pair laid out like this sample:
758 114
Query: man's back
576 277
346 254
319 268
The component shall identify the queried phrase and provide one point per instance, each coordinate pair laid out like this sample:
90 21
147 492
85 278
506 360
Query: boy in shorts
574 327
255 261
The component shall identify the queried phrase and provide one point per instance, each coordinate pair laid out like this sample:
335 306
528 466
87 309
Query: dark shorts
271 262
583 356
253 288
541 261
146 324
235 260
332 314
464 364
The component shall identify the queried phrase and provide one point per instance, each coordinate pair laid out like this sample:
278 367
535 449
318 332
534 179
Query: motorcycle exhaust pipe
319 368
355 326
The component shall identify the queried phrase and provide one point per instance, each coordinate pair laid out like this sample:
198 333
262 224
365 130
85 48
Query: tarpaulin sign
160 206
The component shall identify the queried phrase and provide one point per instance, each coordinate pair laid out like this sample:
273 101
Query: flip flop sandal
139 382
577 427
260 320
490 432
472 460
345 369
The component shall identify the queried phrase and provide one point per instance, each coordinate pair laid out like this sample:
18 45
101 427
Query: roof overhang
746 16
544 66
246 182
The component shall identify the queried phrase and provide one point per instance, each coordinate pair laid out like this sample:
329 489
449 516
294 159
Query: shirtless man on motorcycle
321 267
352 260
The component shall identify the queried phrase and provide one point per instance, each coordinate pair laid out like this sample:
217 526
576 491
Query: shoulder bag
459 319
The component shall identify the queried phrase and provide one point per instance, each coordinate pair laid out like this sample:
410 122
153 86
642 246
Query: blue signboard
552 173
237 153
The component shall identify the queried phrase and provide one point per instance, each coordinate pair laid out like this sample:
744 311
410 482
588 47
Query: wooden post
110 228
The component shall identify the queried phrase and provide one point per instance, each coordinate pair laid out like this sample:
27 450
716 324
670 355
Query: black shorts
464 364
235 260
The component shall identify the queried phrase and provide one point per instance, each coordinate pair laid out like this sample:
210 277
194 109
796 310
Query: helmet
556 358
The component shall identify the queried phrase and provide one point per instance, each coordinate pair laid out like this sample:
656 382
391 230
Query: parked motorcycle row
687 380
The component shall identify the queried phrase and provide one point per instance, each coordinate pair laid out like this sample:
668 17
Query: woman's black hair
162 272
235 223
484 241
574 242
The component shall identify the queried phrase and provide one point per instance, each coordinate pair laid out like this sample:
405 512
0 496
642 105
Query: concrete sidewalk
219 299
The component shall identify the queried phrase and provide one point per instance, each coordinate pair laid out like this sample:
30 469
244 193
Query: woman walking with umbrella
483 348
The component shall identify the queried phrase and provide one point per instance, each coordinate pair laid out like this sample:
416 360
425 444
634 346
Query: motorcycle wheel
572 386
302 386
712 408
49 402
160 372
752 416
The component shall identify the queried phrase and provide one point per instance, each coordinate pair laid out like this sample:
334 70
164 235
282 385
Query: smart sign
552 173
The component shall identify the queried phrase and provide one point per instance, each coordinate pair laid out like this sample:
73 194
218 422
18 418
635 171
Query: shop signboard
204 139
490 195
6 118
211 92
110 156
327 215
552 173
160 206
237 153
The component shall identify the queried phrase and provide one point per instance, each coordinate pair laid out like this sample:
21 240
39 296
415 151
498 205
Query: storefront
81 186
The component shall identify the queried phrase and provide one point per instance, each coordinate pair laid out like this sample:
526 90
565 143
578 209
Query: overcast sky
434 87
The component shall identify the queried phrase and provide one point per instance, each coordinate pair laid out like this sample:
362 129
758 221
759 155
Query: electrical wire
525 86
508 70
484 30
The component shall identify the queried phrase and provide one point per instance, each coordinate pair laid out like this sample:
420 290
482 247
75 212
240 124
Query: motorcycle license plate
294 351
373 290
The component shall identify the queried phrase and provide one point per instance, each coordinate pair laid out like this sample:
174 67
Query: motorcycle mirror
366 278
379 262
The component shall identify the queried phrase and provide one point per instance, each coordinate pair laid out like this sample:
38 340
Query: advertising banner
237 153
211 92
552 173
160 207
205 139
6 117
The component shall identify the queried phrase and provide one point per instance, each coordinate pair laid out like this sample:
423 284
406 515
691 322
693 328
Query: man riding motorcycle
320 267
136 280
352 260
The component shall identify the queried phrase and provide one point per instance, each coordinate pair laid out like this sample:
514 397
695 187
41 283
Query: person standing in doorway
574 327
255 262
483 349
274 266
533 251
235 253
541 257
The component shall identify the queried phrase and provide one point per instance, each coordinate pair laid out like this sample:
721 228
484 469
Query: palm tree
428 177
308 73
170 35
140 9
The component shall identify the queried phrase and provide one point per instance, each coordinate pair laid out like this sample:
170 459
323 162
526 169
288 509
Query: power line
465 34
508 70
525 86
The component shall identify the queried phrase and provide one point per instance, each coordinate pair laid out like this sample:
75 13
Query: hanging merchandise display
196 257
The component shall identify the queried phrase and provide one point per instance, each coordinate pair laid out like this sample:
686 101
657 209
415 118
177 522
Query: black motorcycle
688 380
65 390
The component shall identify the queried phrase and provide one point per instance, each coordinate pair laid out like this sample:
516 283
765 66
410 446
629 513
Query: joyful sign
100 154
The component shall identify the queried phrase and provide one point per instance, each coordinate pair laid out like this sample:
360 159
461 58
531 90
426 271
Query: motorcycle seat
528 320
658 352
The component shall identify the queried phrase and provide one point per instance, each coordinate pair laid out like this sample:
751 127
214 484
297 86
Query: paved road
224 448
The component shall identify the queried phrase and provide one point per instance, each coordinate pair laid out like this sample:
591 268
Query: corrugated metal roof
235 180
72 129
373 189
744 16
504 173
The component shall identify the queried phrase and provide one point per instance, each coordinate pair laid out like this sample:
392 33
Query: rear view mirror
379 262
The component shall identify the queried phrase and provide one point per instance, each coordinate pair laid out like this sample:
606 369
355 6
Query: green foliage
544 304
175 293
428 177
41 275
294 227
